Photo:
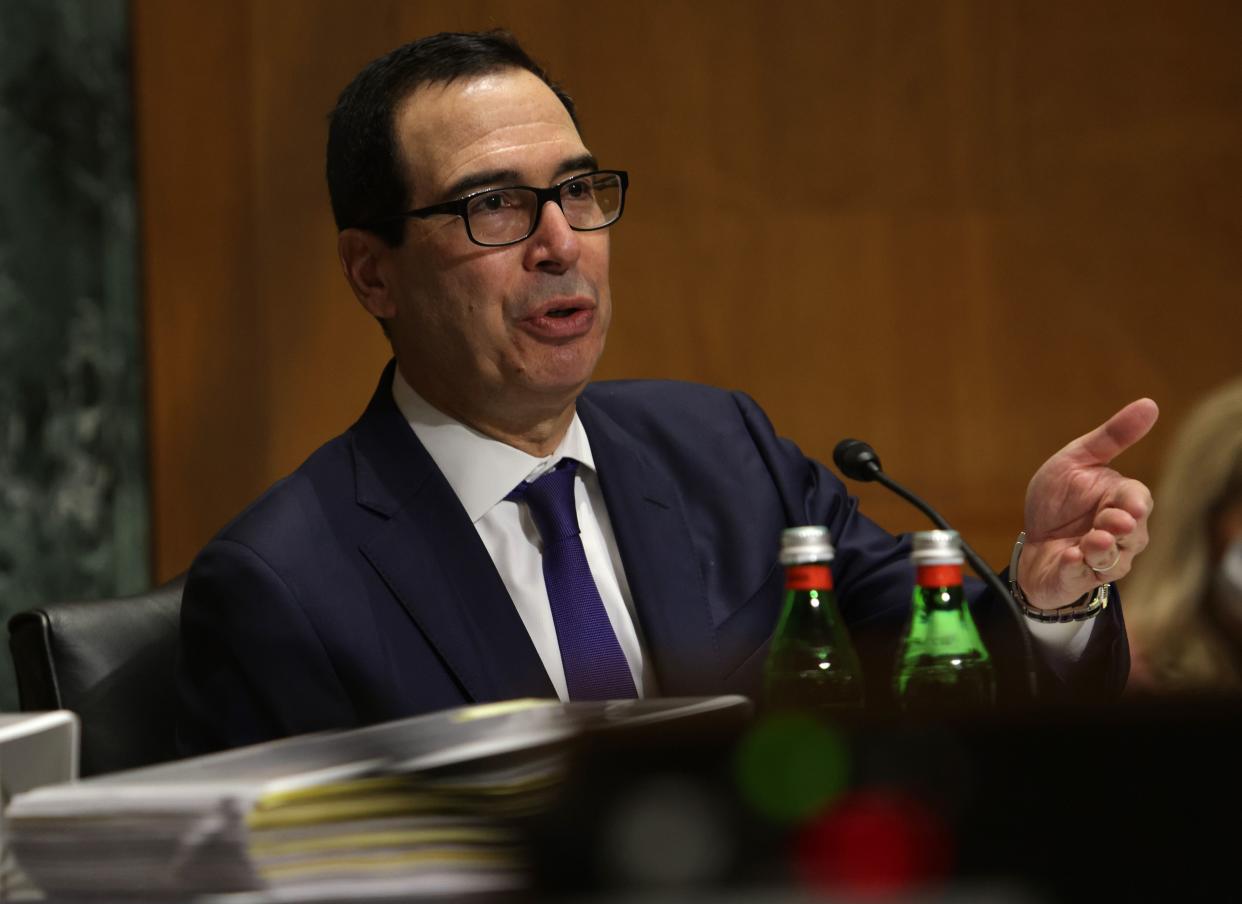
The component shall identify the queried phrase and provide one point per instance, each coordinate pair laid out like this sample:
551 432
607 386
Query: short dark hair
366 176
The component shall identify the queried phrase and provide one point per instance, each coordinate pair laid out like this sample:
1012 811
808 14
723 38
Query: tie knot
551 502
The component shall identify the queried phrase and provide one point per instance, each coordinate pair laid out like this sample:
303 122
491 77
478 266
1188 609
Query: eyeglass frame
459 207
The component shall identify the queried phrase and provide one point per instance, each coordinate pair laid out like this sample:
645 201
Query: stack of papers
428 805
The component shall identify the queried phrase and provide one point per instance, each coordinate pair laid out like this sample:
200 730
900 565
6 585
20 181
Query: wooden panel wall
964 230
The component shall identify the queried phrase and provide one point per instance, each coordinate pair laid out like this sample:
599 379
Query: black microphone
858 461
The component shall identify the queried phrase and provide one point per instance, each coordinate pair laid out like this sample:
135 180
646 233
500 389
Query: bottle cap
800 545
937 547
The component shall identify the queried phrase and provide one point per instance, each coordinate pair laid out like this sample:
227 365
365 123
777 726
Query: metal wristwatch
1086 606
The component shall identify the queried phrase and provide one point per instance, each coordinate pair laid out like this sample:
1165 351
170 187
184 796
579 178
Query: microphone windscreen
856 460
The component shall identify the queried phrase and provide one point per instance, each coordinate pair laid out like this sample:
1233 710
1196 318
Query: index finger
1132 497
1118 433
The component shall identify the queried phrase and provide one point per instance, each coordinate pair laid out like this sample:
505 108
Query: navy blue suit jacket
357 590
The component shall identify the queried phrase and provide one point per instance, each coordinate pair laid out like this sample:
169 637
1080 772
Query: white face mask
1227 582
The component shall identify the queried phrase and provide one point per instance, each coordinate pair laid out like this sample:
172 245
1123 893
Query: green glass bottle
942 662
811 664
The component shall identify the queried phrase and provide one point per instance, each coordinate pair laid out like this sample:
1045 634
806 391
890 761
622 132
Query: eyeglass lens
508 214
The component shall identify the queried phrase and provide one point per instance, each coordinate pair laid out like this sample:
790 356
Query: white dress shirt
482 471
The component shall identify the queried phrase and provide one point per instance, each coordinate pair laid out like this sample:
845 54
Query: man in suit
494 526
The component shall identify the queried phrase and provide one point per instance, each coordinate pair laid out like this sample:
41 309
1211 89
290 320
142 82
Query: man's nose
554 245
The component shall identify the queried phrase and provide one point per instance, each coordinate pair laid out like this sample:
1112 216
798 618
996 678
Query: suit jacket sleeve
252 666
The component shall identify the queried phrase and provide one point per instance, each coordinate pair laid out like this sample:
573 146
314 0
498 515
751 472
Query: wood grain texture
966 231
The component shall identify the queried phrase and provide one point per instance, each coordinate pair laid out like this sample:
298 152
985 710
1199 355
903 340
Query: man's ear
364 257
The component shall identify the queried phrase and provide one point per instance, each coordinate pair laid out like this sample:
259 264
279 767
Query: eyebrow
503 177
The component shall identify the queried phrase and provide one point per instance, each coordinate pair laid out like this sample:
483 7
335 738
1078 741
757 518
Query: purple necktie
595 667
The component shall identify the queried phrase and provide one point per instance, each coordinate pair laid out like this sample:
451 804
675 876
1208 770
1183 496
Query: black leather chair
113 662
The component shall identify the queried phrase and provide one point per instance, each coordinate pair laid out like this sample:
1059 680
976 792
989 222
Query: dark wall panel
73 493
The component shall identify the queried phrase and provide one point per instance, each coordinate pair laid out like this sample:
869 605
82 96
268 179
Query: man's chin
561 389
565 370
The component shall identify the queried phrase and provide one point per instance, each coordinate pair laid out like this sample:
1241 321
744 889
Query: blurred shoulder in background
1183 601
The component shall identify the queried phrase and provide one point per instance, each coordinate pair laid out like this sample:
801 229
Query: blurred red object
874 843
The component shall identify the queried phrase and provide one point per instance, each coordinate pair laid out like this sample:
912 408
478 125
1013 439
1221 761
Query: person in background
1184 597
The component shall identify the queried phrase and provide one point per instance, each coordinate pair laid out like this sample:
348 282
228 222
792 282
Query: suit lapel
431 558
649 522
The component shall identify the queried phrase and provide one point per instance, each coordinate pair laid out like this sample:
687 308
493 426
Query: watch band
1086 606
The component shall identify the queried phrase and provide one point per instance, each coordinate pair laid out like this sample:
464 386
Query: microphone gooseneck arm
881 478
858 461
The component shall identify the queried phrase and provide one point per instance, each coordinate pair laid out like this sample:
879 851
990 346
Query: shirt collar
481 470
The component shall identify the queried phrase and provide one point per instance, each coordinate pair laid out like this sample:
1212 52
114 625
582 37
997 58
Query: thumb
1115 435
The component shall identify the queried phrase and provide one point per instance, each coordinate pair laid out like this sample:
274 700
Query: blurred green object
790 766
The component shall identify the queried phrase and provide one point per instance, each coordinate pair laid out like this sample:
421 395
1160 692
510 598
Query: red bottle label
808 577
939 575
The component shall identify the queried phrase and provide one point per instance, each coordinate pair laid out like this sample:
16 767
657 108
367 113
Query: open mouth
564 319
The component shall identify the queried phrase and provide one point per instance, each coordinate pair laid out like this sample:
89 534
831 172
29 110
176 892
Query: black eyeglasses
506 216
